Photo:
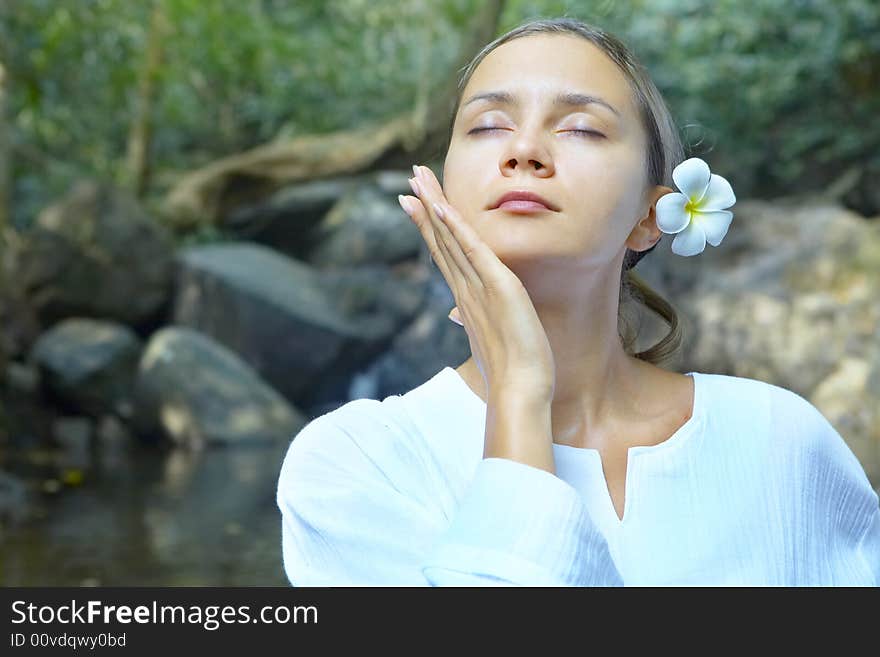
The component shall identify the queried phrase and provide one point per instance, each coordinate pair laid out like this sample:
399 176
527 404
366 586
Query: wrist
519 427
524 392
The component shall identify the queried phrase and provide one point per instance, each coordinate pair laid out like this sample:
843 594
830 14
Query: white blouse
755 489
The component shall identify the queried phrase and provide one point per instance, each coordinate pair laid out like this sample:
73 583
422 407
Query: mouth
523 202
520 206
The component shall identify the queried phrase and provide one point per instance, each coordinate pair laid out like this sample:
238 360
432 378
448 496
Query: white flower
696 215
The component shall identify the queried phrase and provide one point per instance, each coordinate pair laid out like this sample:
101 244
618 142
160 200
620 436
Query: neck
596 380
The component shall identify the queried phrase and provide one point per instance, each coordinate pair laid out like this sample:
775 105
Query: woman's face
597 182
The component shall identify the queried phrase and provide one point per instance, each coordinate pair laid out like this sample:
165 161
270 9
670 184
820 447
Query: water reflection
146 515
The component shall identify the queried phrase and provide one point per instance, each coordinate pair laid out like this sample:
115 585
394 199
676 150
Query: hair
664 153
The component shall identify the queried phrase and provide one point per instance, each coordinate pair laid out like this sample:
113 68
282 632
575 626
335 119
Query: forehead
537 67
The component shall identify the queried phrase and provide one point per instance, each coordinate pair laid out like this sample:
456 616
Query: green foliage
786 92
778 95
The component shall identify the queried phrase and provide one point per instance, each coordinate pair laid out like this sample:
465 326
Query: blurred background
202 247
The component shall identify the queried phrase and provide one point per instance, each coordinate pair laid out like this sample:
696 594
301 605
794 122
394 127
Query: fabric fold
521 525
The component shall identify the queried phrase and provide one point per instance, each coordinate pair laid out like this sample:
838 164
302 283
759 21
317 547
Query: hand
506 336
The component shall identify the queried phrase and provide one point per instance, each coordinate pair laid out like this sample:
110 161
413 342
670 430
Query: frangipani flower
697 214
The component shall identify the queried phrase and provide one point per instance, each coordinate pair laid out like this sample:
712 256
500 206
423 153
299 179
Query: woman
554 455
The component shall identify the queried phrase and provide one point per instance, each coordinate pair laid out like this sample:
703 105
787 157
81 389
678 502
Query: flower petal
692 177
719 194
714 224
690 241
670 213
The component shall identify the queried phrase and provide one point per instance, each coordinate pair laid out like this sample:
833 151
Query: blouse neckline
637 452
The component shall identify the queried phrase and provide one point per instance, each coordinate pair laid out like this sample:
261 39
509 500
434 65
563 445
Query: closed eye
592 133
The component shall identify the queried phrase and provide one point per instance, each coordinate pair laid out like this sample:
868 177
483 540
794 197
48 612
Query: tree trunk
5 155
140 135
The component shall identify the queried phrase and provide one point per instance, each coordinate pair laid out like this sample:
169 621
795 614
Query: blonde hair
664 152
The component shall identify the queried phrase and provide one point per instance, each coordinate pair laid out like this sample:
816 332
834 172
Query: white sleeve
842 517
350 519
869 547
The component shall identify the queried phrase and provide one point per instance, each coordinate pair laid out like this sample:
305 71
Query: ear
646 232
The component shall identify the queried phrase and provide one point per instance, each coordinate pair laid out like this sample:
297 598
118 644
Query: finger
429 195
479 259
455 316
440 243
449 227
436 224
414 207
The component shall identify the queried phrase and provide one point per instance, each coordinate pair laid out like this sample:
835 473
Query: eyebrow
563 99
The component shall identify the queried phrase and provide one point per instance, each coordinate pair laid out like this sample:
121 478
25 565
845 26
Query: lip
523 201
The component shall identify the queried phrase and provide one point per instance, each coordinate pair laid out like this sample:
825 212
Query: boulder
95 253
419 350
88 364
306 332
195 392
365 227
286 218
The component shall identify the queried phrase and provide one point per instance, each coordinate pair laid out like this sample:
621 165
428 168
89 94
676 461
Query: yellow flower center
692 209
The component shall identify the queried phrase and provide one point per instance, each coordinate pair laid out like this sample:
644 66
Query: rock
196 392
365 227
305 217
285 220
303 331
426 345
95 253
788 342
377 290
841 397
88 364
19 320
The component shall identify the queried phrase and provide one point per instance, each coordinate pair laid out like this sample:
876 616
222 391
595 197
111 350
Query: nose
527 150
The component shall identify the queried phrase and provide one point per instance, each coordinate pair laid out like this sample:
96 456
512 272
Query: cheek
462 180
600 198
611 188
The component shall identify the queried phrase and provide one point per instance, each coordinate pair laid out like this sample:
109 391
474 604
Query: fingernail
415 186
415 171
403 203
453 318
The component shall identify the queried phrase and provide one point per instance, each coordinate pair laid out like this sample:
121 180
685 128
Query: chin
516 232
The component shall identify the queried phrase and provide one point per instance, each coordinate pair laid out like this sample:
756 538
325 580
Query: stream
121 512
